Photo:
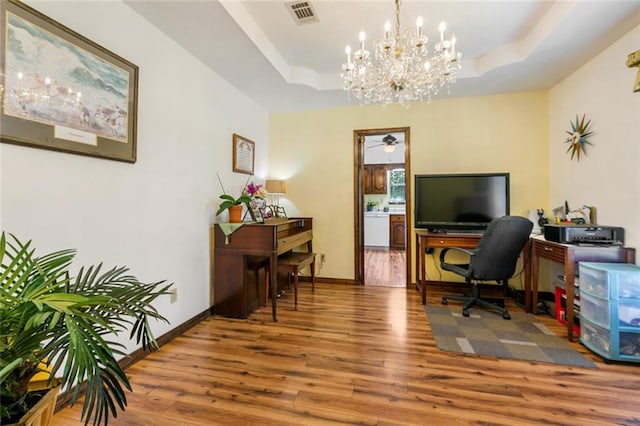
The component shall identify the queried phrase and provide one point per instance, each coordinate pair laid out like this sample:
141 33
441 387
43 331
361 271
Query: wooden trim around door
358 197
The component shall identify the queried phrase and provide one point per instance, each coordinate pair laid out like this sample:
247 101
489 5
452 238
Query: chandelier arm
397 21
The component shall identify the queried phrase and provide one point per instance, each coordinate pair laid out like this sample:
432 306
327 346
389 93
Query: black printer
590 234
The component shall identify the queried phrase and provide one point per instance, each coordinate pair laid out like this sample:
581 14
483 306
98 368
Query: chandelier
400 69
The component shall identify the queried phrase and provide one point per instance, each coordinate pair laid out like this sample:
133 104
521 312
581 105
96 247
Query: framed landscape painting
63 92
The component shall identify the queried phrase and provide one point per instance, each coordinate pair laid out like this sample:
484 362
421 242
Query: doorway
382 207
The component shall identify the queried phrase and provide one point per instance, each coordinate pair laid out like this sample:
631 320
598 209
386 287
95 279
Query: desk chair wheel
505 315
445 301
465 312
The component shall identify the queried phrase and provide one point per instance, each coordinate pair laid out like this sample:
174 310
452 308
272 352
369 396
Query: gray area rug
486 333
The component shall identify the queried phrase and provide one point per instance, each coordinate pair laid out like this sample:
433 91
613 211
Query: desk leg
273 265
423 271
417 258
531 300
526 259
570 279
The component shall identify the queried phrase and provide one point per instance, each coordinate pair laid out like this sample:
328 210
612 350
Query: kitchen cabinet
375 179
397 231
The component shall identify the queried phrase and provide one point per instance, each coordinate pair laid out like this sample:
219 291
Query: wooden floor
360 355
385 267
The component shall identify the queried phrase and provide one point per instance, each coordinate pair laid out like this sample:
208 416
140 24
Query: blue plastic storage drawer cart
610 309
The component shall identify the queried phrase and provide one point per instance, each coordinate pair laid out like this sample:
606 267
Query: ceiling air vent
302 12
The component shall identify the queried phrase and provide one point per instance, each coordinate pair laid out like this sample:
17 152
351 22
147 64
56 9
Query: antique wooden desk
569 255
426 239
231 295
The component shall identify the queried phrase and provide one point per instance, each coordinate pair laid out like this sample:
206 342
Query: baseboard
344 281
140 353
64 398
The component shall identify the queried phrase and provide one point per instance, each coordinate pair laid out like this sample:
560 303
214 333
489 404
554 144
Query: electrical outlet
173 295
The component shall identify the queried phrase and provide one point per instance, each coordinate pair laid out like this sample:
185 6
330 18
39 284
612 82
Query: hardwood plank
384 267
360 355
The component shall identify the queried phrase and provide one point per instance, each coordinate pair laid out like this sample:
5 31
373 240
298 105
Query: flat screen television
463 202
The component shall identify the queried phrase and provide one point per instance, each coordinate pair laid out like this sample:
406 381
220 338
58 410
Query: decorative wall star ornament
578 135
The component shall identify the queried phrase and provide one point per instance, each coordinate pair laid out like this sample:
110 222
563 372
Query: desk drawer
292 241
548 251
436 242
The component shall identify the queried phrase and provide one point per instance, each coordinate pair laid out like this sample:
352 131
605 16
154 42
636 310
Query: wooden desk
253 239
569 255
426 239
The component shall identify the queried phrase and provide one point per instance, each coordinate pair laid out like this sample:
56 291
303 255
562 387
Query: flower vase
235 214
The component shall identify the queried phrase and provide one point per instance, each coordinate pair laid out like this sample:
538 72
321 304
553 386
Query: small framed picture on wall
243 154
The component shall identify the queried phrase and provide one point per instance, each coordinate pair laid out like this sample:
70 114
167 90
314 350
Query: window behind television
460 201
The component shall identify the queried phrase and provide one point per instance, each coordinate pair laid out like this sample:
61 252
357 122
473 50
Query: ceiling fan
389 143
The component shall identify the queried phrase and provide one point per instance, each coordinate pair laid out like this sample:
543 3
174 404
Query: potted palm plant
48 318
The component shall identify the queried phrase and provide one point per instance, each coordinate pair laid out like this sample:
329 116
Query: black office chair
493 259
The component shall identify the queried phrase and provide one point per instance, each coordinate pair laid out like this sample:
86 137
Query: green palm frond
46 315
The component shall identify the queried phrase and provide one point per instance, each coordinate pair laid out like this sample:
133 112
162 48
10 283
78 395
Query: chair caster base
445 301
505 315
465 312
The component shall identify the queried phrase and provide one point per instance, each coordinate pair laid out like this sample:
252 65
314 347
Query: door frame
358 198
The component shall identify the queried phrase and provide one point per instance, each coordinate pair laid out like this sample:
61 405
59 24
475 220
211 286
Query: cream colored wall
608 177
314 151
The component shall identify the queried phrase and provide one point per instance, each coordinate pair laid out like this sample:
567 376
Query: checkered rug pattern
488 334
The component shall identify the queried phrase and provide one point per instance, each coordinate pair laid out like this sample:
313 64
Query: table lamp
276 187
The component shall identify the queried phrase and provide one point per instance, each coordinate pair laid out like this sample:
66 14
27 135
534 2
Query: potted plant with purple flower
250 197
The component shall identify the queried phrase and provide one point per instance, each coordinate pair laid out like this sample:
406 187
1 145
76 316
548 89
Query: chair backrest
496 254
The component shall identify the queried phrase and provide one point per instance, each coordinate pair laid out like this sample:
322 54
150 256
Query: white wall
608 177
154 215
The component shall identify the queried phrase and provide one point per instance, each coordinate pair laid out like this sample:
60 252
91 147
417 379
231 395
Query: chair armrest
444 251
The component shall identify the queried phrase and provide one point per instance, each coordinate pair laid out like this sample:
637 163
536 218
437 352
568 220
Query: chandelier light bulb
442 27
362 37
419 23
387 29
